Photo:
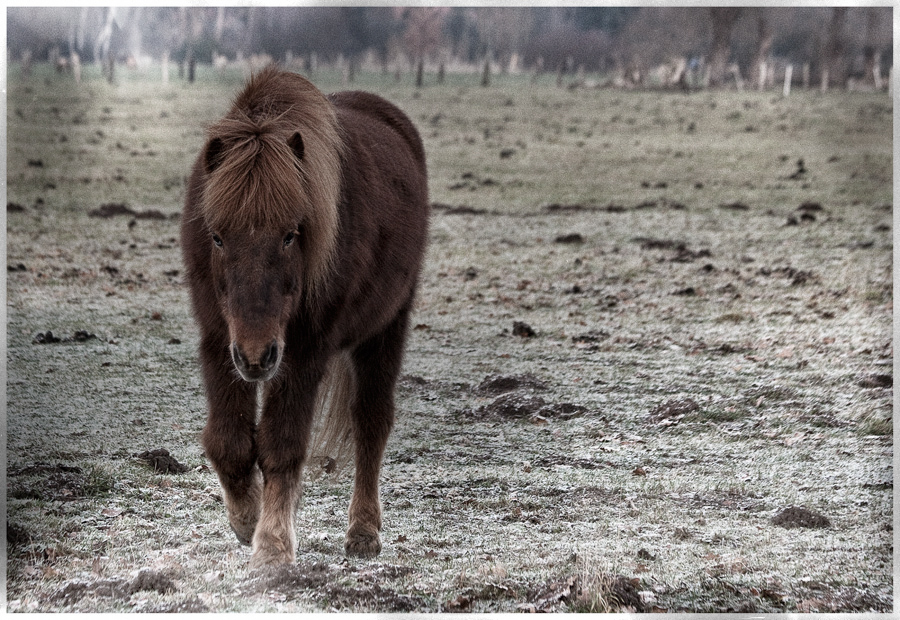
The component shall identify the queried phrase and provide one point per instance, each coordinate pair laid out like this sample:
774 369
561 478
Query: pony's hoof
242 538
243 527
271 550
362 544
270 557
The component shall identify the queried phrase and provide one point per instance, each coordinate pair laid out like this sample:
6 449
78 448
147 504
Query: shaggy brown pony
303 234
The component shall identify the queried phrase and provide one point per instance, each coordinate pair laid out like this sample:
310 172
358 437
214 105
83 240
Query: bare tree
505 31
833 65
423 33
871 52
765 36
656 34
723 19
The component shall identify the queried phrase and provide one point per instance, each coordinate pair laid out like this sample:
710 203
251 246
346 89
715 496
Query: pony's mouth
263 367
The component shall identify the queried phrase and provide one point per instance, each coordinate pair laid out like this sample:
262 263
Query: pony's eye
217 240
289 239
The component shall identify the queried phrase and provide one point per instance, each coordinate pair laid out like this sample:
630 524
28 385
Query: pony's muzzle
260 367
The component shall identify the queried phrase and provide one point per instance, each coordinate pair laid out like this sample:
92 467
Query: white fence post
788 74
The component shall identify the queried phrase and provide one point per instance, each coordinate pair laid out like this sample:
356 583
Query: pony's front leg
229 438
283 435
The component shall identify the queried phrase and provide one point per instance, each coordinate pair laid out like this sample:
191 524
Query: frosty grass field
650 368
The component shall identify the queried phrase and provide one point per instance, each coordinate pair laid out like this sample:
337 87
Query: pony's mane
255 180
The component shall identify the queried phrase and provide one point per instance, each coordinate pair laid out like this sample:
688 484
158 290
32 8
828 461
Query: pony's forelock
257 181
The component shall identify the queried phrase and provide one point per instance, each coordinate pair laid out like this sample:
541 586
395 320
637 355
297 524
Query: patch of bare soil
48 337
289 578
192 605
458 209
521 404
570 238
844 599
146 580
876 381
672 410
551 460
322 584
45 481
600 593
112 209
16 536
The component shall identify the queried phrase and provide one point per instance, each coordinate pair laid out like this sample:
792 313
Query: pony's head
270 208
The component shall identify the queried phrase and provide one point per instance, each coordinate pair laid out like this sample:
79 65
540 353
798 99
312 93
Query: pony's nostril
237 356
270 356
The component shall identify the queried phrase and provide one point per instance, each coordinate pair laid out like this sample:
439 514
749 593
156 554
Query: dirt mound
673 409
521 404
570 238
148 580
513 405
494 385
288 578
161 461
797 516
523 330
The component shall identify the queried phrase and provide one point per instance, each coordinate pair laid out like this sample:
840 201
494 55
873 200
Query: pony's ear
296 144
213 156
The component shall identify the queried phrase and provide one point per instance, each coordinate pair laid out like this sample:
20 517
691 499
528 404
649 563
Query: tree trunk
76 66
871 53
80 30
220 23
249 32
763 47
723 19
110 64
833 65
135 37
192 67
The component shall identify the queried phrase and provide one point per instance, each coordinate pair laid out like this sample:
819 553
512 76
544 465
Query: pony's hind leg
229 442
377 365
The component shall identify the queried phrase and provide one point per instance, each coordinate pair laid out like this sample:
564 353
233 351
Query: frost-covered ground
710 347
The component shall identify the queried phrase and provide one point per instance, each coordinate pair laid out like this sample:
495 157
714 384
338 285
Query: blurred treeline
847 42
